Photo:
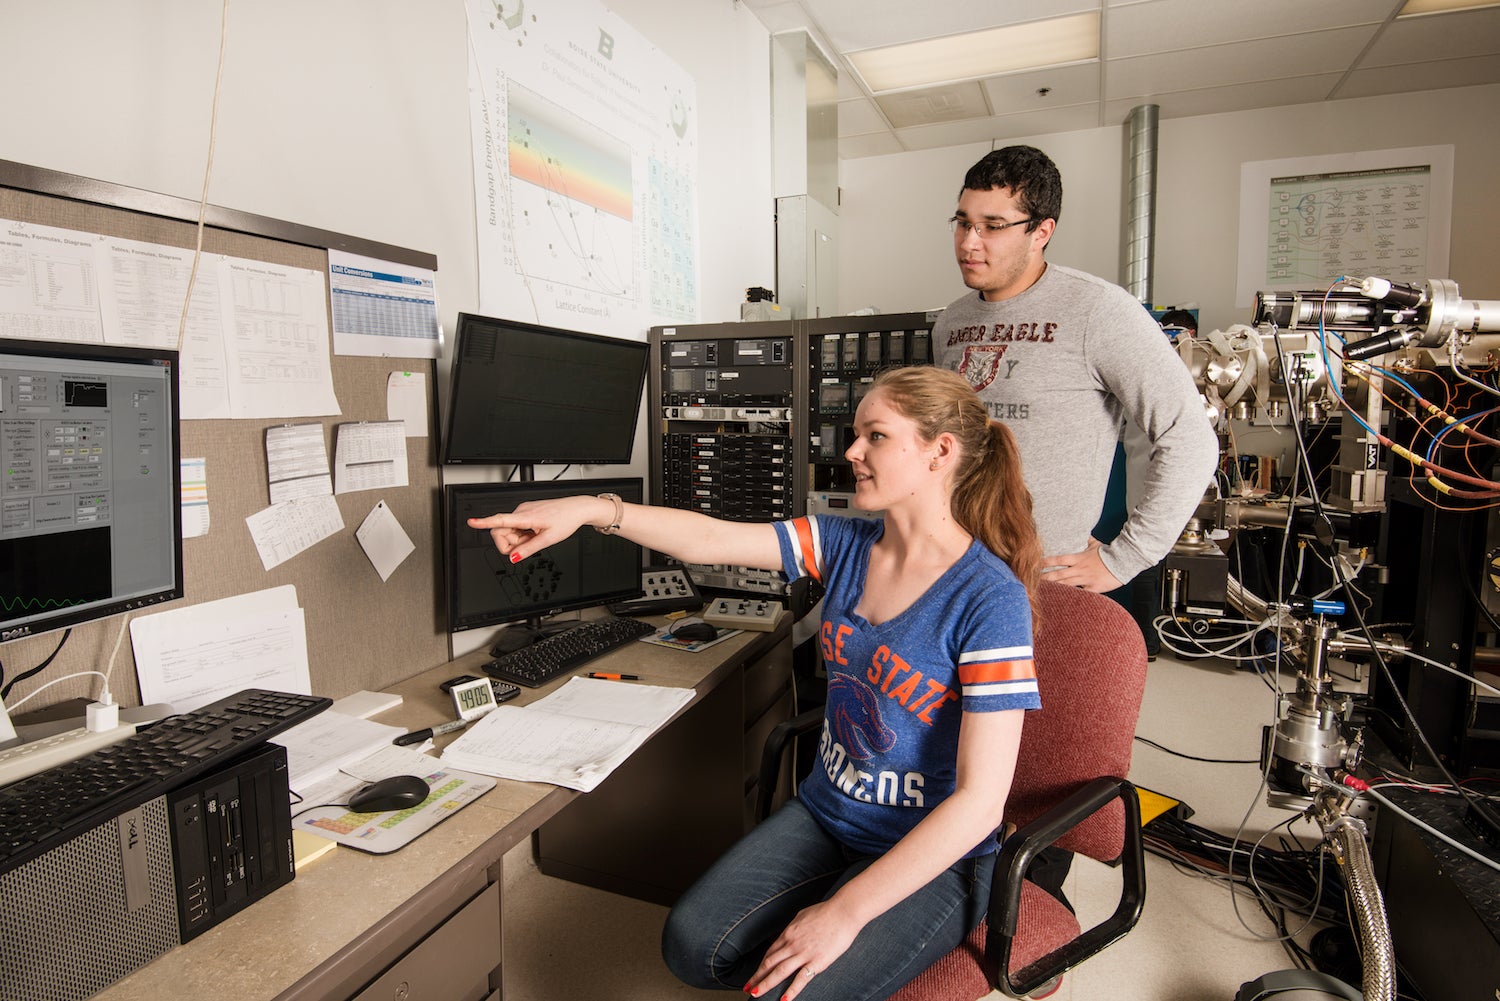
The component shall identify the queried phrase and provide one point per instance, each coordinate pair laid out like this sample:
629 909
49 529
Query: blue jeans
721 928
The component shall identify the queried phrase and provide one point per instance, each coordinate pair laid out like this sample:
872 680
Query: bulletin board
362 633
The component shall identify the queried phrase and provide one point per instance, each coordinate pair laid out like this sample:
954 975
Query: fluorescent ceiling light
1416 8
980 53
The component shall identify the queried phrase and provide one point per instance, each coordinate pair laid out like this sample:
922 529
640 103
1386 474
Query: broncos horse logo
856 722
981 363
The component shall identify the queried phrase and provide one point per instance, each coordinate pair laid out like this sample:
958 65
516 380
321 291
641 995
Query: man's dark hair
1028 172
1179 318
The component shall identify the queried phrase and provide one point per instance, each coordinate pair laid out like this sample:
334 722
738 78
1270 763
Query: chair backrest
1091 669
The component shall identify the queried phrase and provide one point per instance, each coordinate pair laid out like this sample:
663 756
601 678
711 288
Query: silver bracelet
614 525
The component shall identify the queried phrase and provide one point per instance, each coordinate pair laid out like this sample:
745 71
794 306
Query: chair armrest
1010 871
771 755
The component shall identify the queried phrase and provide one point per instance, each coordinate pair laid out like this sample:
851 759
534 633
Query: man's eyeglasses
986 230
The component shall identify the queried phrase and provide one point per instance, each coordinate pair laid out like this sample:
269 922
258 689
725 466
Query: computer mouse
695 631
399 792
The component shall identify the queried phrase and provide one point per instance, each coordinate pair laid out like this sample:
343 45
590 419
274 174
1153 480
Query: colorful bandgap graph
559 151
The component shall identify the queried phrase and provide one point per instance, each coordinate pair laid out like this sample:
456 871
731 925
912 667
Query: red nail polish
515 557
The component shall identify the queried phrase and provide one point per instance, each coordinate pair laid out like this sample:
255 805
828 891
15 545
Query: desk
357 926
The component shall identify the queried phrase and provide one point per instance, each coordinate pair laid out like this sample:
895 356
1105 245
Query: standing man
1064 359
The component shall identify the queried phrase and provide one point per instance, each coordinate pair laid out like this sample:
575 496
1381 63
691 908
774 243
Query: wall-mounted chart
1305 222
584 141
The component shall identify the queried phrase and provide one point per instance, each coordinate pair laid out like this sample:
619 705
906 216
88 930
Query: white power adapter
102 717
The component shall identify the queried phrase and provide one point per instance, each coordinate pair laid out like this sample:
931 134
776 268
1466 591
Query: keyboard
537 664
50 808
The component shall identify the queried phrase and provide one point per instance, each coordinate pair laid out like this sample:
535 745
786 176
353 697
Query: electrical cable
1394 648
1366 789
213 125
46 685
5 692
1193 757
1323 523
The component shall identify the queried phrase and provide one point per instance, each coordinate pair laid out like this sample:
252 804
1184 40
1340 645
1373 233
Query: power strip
743 613
24 760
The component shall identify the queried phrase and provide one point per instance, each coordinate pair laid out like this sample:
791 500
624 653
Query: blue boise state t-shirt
897 691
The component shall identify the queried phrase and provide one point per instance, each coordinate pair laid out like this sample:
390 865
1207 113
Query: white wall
352 116
897 253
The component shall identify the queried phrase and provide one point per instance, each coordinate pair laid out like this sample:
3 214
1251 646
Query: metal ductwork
1140 205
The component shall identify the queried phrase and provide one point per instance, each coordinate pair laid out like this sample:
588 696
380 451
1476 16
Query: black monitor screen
588 569
90 504
526 394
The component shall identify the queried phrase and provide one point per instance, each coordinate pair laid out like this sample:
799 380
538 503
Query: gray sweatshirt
1064 364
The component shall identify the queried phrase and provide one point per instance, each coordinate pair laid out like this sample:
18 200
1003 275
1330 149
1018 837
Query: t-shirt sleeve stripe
998 653
1020 669
809 550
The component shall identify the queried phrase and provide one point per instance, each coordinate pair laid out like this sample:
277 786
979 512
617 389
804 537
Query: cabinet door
455 961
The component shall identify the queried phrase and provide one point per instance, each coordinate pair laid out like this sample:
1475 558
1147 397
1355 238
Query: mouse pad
662 638
381 833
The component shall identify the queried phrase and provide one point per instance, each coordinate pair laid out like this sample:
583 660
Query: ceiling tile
1001 128
860 117
1219 100
1247 62
955 102
1468 72
1439 36
1164 25
866 24
1065 85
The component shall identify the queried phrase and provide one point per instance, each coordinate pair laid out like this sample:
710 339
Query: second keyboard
537 664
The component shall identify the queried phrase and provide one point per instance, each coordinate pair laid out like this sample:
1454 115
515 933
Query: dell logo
16 633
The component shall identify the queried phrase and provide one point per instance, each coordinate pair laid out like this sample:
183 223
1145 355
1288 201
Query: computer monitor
90 504
526 394
485 588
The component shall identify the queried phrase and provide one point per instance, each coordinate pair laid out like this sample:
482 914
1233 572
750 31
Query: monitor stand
523 634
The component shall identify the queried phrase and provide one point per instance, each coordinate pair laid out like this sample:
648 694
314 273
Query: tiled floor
566 942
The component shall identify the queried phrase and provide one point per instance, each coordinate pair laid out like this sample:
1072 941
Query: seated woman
882 862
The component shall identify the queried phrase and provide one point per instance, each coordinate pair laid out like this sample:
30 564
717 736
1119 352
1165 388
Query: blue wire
1396 379
1478 415
1328 366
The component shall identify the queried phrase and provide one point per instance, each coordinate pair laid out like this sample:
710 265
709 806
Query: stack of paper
320 747
574 737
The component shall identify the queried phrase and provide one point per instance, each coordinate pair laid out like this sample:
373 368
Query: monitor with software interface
586 570
527 394
90 507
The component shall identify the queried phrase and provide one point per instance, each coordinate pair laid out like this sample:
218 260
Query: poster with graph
585 148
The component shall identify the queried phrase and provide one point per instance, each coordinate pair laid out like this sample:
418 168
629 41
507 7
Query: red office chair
1069 790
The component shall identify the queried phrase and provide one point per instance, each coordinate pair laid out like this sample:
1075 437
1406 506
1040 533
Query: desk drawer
766 678
453 962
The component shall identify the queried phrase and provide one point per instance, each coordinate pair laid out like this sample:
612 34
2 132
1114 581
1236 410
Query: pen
613 677
417 736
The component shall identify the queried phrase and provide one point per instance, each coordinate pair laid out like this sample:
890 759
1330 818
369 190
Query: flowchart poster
1354 222
1306 222
585 152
